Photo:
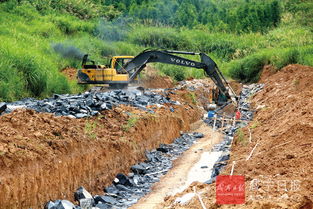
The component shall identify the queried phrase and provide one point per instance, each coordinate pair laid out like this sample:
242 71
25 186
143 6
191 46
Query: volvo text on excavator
125 69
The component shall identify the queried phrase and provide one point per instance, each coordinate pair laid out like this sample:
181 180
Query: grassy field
38 42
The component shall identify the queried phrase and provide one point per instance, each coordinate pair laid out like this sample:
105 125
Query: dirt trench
45 157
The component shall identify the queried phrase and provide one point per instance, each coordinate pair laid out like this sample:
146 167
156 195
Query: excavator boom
138 63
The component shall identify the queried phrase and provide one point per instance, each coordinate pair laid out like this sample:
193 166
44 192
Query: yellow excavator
123 70
113 74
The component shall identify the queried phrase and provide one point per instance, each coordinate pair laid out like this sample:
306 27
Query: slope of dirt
279 173
267 71
70 73
152 79
45 157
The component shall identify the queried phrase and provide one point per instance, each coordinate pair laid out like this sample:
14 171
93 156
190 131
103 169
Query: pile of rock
89 103
126 190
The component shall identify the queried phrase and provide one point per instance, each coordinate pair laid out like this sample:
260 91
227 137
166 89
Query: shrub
166 38
290 56
248 69
70 25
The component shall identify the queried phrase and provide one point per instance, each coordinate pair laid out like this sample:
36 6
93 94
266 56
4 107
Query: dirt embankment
279 173
45 157
70 73
151 78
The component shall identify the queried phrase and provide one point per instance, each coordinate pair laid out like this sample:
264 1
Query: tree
186 15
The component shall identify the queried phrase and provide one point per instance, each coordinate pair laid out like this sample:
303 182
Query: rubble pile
89 103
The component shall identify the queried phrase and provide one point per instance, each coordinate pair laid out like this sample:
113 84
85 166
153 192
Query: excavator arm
138 63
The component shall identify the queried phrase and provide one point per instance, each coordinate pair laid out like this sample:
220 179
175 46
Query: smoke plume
68 51
115 30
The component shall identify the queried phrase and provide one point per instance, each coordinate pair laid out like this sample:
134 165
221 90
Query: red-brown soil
70 73
152 79
157 81
45 157
282 162
267 71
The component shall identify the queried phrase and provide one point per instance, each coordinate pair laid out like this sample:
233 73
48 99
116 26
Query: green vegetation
193 97
40 38
131 122
241 137
90 129
255 124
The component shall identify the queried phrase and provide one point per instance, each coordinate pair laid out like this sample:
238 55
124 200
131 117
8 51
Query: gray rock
138 169
122 179
198 135
82 193
103 206
111 189
65 204
104 106
81 115
86 203
122 187
50 205
3 107
105 199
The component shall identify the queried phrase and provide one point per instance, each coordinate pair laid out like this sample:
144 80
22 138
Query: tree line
230 16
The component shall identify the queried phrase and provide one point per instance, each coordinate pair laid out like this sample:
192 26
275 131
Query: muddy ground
279 173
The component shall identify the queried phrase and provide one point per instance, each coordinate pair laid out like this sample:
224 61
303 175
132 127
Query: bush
179 73
70 25
290 56
12 84
166 38
306 56
248 69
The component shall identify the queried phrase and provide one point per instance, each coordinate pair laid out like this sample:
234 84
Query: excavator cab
118 62
114 74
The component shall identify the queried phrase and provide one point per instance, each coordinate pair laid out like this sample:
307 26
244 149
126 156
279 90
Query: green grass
131 122
193 97
241 137
90 129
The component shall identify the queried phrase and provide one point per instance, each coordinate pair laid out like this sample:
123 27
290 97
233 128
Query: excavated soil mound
267 71
157 81
152 79
70 73
45 157
279 173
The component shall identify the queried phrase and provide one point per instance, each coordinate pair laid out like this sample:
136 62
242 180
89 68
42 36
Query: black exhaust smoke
68 51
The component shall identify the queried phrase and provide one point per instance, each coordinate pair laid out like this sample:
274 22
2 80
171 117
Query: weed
241 137
291 56
193 97
131 122
295 82
255 124
90 129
